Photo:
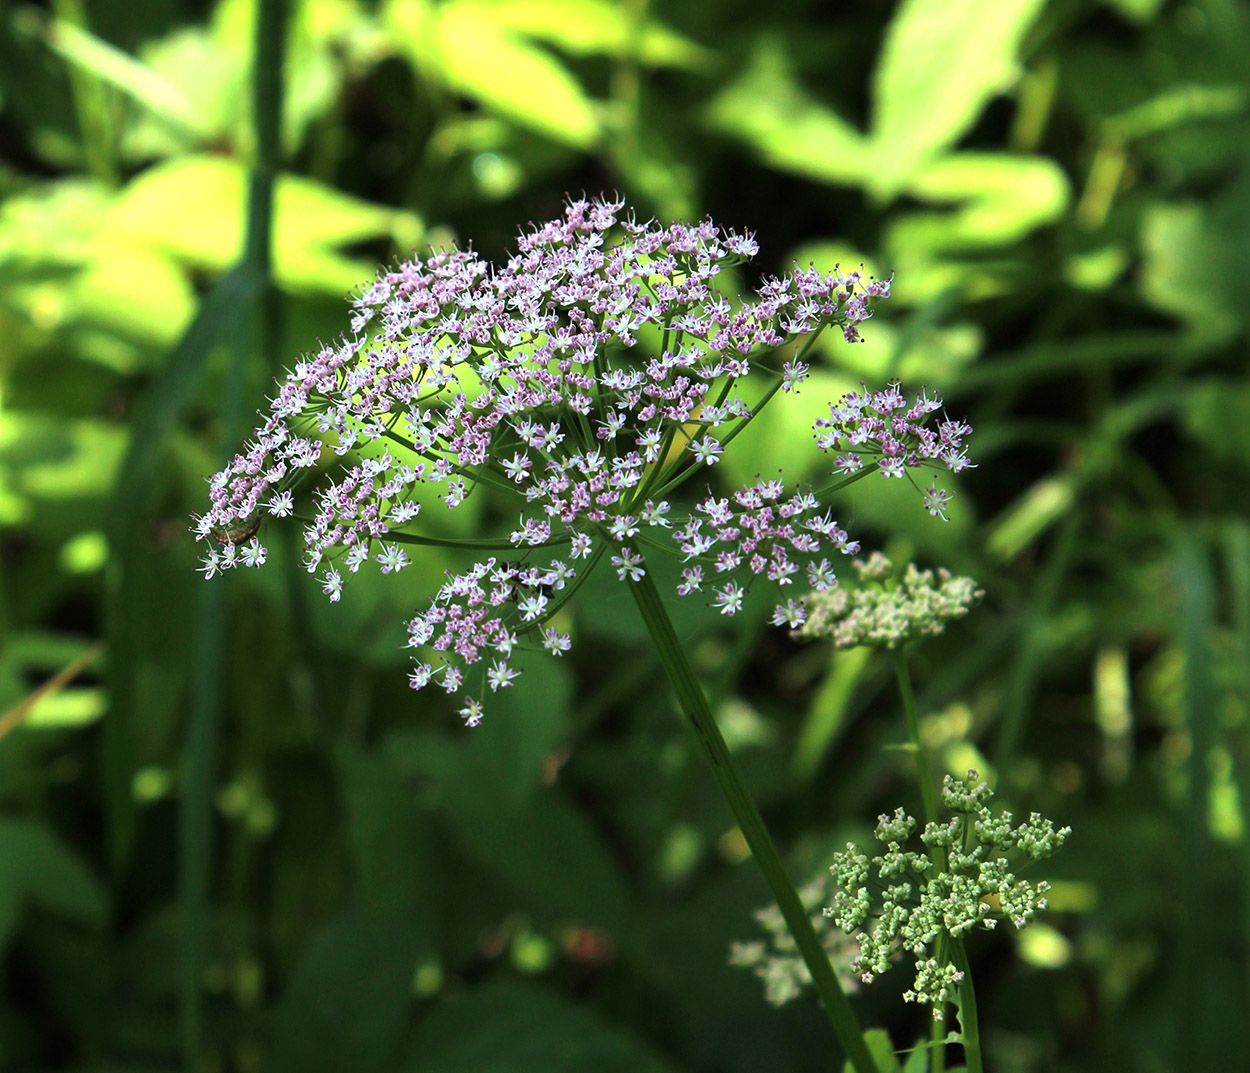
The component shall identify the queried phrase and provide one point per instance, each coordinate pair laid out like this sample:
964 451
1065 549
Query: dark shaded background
236 841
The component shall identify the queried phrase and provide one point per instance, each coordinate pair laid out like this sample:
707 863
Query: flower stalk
694 705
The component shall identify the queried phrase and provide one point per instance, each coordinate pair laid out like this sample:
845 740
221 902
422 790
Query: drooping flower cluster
592 374
870 614
915 907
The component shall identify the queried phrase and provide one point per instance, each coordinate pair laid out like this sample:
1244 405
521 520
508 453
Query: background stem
196 851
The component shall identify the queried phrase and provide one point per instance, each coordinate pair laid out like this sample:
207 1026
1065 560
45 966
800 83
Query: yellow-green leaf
194 208
940 64
769 111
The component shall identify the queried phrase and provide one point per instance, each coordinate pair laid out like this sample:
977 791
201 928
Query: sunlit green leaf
1033 512
464 47
193 208
765 108
589 27
113 67
940 64
57 459
997 199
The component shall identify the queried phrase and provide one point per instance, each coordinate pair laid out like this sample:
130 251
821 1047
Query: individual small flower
254 553
403 512
555 642
793 614
517 467
707 450
654 514
333 586
729 599
691 581
795 372
392 558
935 500
629 564
623 526
471 713
500 675
532 605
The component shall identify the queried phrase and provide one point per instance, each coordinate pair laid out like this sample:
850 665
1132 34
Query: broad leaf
940 64
506 1028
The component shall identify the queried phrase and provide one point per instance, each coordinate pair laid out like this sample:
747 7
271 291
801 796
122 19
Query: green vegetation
232 838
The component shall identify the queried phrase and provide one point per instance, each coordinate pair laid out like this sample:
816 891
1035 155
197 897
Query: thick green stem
694 704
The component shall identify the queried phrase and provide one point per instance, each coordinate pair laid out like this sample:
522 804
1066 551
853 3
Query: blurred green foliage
321 870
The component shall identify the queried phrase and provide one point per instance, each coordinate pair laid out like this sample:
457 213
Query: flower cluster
882 426
777 961
589 376
917 908
870 614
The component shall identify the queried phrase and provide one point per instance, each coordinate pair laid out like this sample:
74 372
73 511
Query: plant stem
937 1053
203 740
693 702
928 792
948 945
970 1031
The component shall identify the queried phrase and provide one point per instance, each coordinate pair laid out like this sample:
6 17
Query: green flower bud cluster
873 614
911 905
776 960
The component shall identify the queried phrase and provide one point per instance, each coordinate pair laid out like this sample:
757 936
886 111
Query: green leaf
766 109
348 1004
1191 261
509 1028
56 459
882 1051
1217 415
538 842
37 869
112 67
463 46
940 64
593 27
193 208
387 836
998 200
135 293
210 81
1032 513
